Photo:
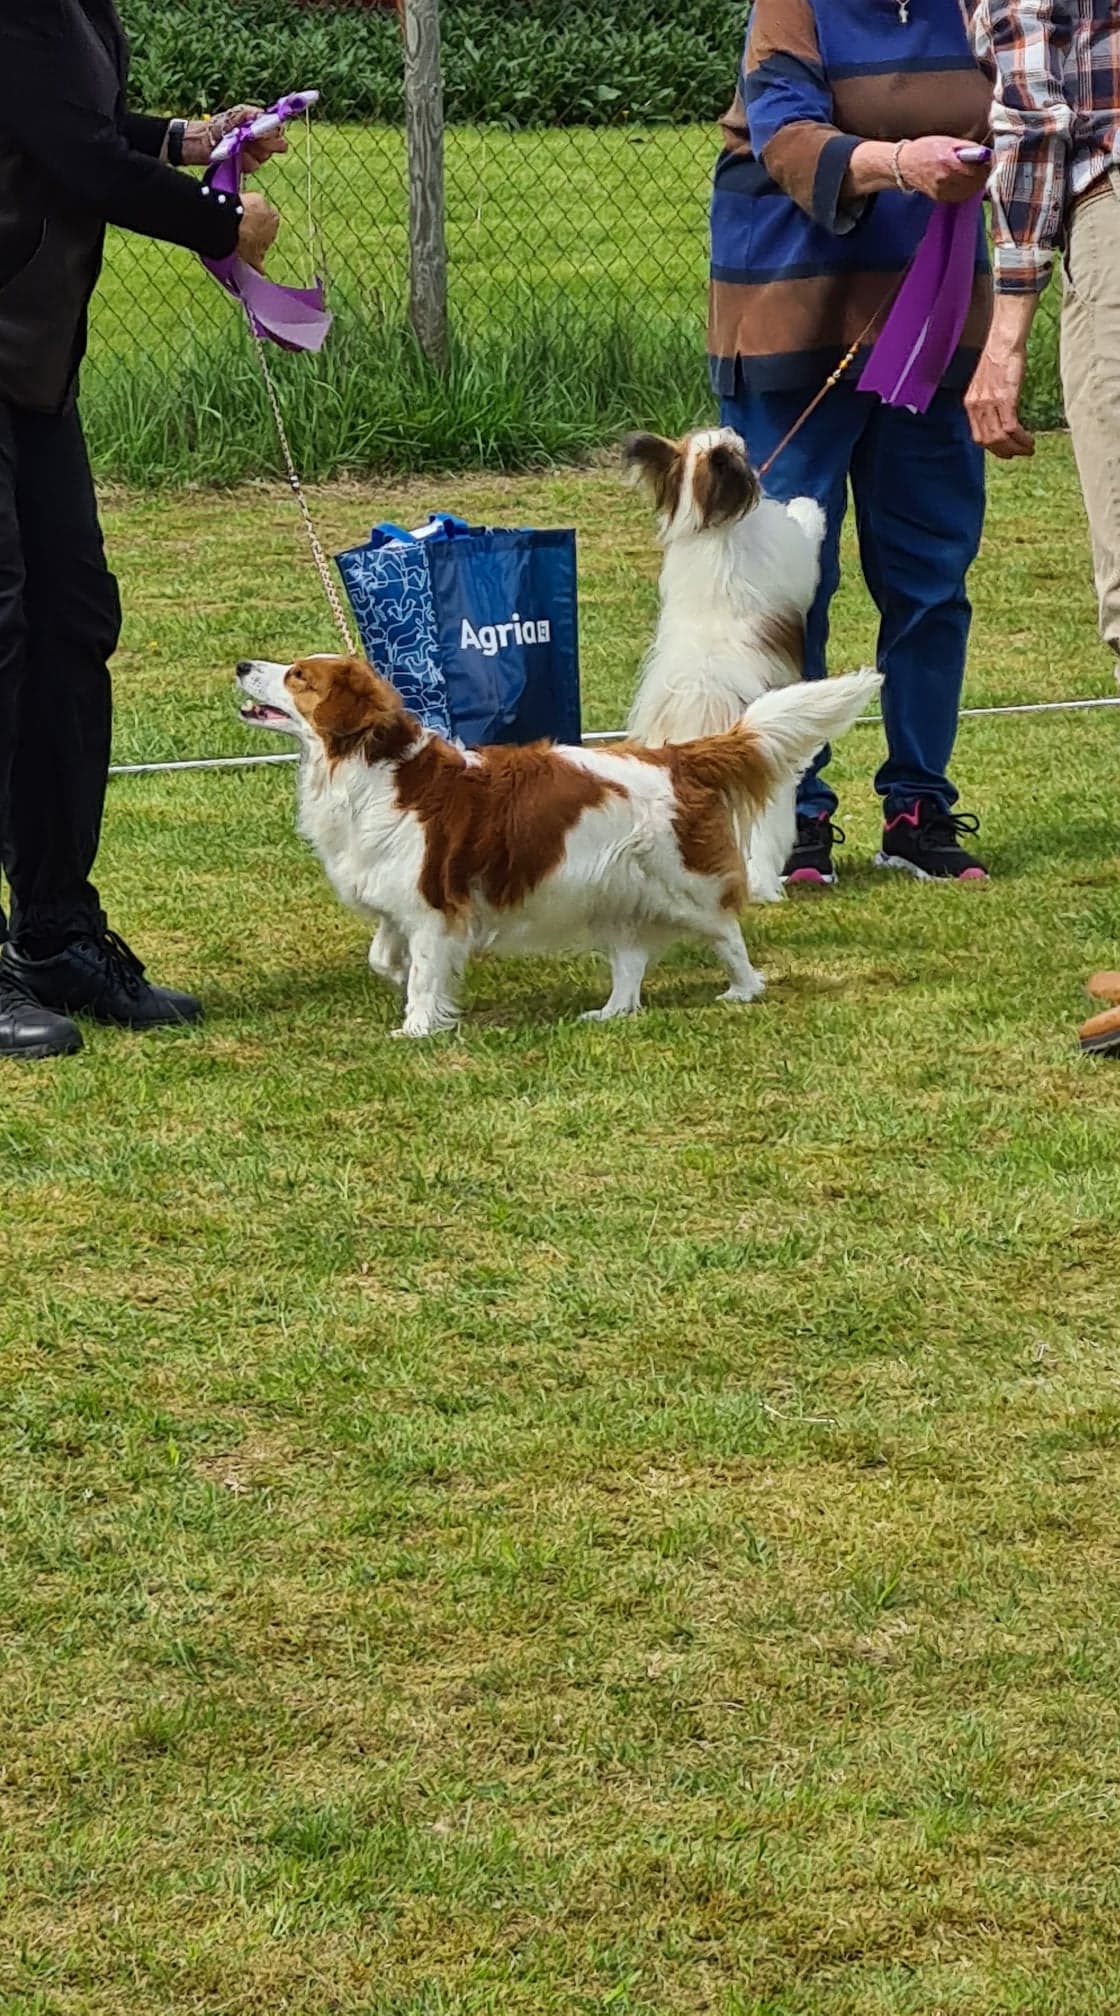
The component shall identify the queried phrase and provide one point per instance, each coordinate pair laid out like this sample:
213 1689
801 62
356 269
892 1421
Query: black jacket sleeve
145 136
49 109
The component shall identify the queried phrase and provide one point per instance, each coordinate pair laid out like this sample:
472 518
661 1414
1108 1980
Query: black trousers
59 625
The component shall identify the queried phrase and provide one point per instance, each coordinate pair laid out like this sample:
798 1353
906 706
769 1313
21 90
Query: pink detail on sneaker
812 875
973 875
910 818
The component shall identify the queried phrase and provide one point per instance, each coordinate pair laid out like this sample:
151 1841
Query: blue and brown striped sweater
797 272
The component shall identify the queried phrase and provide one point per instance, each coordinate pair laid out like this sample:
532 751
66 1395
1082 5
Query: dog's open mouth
260 716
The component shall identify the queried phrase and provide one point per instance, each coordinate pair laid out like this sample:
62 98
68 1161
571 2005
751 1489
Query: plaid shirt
1055 65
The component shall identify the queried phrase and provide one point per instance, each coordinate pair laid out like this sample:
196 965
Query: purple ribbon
294 317
920 336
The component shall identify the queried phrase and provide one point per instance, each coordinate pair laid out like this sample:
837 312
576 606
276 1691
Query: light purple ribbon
920 336
294 317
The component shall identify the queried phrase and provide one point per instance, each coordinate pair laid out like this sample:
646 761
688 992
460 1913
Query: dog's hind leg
436 959
770 845
628 967
388 955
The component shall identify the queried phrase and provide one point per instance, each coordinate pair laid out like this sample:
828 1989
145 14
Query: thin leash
322 564
841 370
334 601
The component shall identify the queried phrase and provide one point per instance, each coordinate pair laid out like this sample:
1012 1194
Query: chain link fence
577 256
567 222
579 148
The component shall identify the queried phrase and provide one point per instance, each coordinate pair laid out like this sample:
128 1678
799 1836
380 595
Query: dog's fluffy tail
793 722
778 737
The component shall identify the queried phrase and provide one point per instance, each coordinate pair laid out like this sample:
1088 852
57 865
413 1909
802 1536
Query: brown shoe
1100 1035
1104 987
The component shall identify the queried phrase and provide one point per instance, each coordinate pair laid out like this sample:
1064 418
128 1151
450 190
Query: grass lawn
560 1519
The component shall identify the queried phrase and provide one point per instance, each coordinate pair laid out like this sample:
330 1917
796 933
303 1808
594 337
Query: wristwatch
176 134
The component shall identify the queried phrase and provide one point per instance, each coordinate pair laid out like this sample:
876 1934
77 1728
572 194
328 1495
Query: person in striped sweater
845 130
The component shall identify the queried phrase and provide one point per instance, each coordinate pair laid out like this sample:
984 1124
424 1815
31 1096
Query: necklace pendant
904 12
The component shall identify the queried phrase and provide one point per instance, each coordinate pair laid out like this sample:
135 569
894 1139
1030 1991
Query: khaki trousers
1091 381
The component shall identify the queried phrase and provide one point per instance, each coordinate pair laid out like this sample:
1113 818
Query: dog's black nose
244 669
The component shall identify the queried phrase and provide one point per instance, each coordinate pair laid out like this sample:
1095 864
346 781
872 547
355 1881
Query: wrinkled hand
203 135
932 167
992 404
259 225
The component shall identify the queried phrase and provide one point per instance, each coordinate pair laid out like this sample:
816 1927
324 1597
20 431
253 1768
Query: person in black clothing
72 160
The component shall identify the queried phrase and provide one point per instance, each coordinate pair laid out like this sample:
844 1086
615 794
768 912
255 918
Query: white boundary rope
590 741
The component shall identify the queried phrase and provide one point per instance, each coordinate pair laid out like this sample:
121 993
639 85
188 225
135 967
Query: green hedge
515 61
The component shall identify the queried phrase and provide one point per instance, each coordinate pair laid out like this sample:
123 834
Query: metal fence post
427 233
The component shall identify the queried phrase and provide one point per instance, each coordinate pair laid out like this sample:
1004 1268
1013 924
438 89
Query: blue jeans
918 485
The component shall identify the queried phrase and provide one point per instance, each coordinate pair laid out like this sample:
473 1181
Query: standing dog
738 580
538 849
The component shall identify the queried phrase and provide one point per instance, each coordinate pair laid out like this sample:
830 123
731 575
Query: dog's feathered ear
658 464
354 700
361 710
648 458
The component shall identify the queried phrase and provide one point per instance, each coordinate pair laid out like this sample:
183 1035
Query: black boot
28 1030
99 977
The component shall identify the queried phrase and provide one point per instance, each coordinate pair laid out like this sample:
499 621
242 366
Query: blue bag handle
449 524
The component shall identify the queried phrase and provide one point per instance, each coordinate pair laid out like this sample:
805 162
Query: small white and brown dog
539 849
737 582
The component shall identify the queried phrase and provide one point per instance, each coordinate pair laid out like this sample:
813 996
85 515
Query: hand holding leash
948 171
264 137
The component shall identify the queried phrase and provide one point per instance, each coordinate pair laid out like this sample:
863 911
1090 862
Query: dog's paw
418 1026
806 512
608 1014
743 996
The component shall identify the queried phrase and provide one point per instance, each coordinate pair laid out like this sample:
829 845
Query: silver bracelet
900 181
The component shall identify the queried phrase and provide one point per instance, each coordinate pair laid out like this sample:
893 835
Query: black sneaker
100 977
30 1031
925 842
811 864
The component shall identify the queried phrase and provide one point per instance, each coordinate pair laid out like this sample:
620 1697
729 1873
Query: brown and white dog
738 579
537 849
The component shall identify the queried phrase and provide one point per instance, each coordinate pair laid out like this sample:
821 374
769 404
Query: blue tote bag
477 629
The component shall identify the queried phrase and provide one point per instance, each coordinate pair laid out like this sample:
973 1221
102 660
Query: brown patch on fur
714 779
783 640
498 826
352 709
660 465
724 485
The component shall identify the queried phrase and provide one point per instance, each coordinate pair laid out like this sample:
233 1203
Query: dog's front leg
436 958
